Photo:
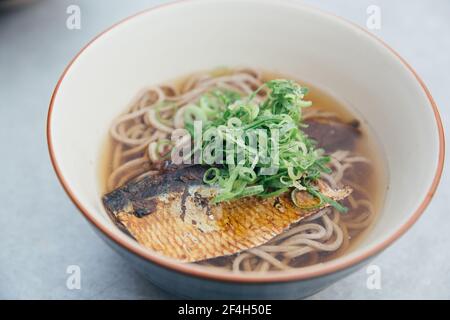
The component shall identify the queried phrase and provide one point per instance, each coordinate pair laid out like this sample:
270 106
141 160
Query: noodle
157 112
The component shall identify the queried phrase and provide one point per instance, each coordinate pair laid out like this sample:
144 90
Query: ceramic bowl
178 38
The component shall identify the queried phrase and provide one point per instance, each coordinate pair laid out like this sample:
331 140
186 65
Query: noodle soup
138 144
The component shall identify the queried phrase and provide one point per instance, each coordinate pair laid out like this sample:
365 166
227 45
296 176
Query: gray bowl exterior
192 287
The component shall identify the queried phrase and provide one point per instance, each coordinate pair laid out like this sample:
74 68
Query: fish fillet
172 214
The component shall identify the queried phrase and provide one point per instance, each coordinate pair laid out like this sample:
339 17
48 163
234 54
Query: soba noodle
142 143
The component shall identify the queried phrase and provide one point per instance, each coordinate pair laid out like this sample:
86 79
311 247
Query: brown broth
373 179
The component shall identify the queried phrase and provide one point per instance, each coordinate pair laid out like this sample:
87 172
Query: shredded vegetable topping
260 146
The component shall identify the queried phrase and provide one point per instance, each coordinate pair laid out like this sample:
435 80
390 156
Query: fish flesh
172 214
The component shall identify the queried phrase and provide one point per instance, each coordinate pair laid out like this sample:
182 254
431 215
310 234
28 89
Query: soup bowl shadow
165 42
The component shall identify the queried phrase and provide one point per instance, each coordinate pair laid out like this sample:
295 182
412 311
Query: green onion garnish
299 163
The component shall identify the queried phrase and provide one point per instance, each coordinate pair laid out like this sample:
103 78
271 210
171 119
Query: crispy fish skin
172 215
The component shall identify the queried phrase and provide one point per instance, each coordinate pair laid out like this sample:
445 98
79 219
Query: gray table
41 231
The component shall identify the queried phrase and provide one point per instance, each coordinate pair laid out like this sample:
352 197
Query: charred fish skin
333 134
138 197
186 226
232 227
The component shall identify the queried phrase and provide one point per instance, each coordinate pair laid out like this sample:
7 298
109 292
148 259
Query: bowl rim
302 274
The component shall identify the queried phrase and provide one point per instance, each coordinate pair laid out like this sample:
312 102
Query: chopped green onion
211 175
297 160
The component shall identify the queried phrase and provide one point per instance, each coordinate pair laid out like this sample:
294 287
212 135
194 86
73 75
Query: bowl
175 39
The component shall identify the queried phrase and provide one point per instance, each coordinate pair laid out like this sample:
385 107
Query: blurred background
42 233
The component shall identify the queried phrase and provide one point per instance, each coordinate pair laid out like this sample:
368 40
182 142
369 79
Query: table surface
42 233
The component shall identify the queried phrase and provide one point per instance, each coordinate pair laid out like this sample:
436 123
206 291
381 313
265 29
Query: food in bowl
281 175
382 91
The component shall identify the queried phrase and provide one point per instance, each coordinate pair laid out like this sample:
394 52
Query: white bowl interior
163 44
